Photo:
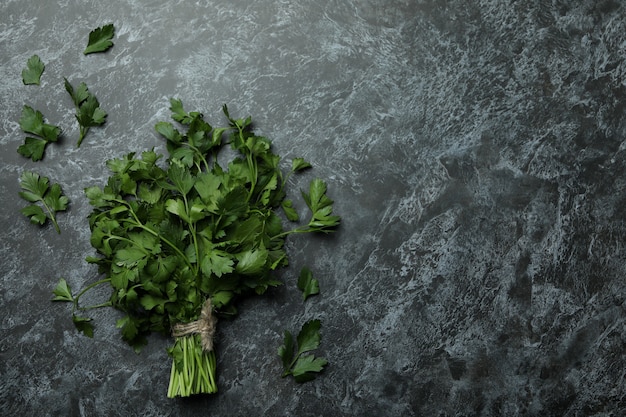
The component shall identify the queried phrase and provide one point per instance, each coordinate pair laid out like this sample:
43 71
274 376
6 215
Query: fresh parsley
205 227
296 361
88 111
100 39
32 121
47 199
307 284
32 73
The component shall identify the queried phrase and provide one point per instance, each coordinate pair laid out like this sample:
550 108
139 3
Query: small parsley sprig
88 111
47 199
297 362
32 121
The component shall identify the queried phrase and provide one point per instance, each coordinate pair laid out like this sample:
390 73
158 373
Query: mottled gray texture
475 152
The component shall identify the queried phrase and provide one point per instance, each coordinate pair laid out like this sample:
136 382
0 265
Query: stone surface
475 152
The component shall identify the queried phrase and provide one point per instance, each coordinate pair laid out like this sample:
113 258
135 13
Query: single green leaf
178 112
79 94
129 327
285 351
62 291
55 200
309 336
33 148
34 186
290 212
252 261
90 114
177 207
316 198
306 366
217 263
100 39
307 284
35 213
129 257
83 325
149 302
221 298
299 164
32 73
31 120
167 130
181 177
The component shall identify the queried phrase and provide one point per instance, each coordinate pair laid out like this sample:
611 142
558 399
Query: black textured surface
475 153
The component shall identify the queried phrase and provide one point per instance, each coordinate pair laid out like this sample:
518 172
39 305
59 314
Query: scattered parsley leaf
88 111
100 39
302 367
307 284
32 73
37 189
32 121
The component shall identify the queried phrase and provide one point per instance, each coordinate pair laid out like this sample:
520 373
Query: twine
204 326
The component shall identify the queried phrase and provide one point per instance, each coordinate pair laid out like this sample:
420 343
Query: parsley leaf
100 39
88 111
37 189
299 164
302 367
62 291
32 121
32 73
307 284
321 207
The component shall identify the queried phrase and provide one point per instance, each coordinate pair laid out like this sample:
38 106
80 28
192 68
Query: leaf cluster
32 121
47 199
295 357
169 237
88 111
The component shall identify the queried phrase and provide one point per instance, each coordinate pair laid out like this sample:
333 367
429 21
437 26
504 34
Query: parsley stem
51 215
87 288
192 229
83 133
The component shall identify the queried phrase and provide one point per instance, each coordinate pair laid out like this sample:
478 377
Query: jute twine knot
204 326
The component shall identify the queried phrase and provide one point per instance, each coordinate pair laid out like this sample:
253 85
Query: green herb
201 230
62 292
295 362
100 39
37 189
32 121
32 73
307 284
88 111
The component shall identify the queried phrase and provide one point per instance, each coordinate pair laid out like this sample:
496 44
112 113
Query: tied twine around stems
204 326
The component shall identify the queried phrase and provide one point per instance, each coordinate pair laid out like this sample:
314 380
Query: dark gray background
475 151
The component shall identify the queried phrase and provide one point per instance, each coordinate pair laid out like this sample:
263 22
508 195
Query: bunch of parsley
205 226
